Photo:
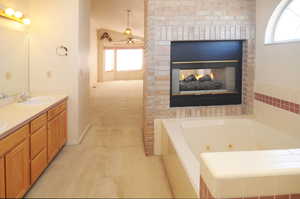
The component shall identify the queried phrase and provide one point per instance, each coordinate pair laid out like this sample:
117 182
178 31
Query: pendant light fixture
128 30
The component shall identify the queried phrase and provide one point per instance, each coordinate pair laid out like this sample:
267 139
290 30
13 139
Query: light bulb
18 14
26 21
9 11
128 31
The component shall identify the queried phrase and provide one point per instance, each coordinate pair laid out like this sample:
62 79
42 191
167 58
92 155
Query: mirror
14 70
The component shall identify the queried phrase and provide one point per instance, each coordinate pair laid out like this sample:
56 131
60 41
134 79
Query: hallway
110 162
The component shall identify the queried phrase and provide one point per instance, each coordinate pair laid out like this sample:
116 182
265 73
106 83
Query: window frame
115 55
273 22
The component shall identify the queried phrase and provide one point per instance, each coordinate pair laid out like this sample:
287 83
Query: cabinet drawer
38 141
38 122
13 140
56 110
38 164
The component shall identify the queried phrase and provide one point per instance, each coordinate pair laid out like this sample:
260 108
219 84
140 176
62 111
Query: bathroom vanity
31 135
33 131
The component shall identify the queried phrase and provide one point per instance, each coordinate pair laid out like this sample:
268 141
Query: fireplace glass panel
204 81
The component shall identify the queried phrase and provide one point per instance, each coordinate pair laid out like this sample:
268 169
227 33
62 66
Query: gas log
191 83
198 85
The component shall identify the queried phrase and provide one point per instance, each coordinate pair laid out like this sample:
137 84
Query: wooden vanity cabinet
26 152
57 130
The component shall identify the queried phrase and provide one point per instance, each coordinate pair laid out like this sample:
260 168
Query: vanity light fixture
26 21
18 14
11 14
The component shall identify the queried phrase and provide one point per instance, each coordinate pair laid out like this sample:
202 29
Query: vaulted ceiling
111 14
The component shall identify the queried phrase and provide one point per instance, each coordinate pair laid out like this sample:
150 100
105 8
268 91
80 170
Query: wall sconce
17 16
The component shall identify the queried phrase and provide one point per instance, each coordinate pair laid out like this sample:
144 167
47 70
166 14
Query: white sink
38 100
3 125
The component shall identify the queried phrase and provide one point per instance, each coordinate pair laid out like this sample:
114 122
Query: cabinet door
17 171
2 179
53 135
63 128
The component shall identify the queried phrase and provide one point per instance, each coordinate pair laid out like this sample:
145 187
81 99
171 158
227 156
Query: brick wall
176 20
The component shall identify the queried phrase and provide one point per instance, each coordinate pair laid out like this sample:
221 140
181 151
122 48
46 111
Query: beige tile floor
110 162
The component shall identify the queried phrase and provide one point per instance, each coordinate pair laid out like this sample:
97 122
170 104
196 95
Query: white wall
83 79
277 65
93 58
21 5
55 23
277 73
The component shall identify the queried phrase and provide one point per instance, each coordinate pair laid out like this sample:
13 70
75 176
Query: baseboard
86 129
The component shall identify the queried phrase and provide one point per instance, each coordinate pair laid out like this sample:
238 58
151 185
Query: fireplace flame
182 77
199 76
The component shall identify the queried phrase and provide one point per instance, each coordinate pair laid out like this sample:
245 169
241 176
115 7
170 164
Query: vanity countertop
13 116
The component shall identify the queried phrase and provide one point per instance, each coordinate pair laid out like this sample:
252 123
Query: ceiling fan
129 33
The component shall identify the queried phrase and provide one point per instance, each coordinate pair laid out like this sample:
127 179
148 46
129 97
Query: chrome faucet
23 97
3 96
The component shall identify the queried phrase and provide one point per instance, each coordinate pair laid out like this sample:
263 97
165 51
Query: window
129 59
126 59
109 60
284 25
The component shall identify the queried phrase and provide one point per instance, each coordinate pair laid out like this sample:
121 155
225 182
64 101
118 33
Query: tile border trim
278 103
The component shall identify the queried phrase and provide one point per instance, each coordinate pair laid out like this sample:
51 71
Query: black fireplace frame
198 55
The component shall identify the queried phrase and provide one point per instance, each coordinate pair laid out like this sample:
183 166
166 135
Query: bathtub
183 140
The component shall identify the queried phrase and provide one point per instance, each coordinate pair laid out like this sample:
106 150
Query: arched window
284 25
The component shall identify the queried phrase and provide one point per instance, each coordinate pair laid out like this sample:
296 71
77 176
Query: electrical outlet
49 74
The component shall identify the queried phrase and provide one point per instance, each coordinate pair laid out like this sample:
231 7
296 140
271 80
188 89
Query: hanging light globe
128 31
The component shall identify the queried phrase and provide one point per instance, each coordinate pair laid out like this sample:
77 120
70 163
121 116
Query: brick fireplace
192 20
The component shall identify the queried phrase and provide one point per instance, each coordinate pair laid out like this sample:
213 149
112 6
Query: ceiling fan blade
121 40
141 40
130 40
